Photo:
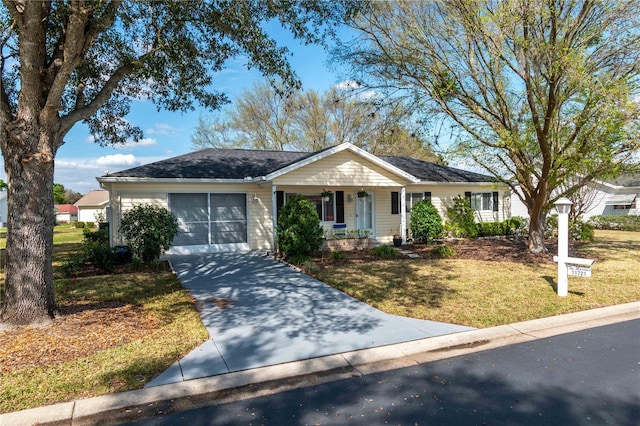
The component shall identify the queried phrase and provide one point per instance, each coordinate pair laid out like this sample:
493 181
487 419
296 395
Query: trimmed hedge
505 228
621 223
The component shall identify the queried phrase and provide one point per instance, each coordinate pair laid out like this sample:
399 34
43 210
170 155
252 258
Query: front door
364 213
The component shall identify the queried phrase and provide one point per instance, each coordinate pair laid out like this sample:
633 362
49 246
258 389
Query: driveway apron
260 312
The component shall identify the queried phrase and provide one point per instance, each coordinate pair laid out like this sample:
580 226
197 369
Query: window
325 209
411 198
484 201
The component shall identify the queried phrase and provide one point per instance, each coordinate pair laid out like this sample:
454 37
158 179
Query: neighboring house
228 199
621 197
92 205
66 213
3 208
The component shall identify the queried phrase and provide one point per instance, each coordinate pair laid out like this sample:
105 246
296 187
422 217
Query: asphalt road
590 377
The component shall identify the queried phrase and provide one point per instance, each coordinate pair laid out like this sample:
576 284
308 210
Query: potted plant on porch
397 240
326 194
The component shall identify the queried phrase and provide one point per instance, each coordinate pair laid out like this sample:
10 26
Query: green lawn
484 294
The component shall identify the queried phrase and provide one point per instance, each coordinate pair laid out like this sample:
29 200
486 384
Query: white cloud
348 85
116 160
141 143
162 129
90 139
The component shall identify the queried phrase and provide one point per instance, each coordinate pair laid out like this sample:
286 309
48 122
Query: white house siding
598 205
88 214
442 196
124 196
341 169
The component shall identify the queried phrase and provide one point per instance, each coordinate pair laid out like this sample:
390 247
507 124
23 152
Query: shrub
581 231
622 223
461 219
80 225
148 230
298 233
384 252
444 251
426 223
578 230
514 226
337 255
89 225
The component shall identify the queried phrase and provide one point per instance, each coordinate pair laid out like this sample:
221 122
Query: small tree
426 223
299 232
461 219
149 230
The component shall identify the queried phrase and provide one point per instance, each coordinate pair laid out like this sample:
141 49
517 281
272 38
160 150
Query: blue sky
168 134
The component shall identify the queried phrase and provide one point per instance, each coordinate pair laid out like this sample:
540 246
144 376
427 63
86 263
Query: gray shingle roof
432 172
214 163
217 163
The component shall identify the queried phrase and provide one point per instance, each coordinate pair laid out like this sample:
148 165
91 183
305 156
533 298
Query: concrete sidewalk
262 312
112 409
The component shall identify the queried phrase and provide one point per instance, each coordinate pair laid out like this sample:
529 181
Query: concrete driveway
261 312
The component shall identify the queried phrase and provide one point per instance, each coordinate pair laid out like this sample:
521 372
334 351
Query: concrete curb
114 408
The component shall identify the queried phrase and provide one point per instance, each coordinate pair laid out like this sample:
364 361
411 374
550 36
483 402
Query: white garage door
209 222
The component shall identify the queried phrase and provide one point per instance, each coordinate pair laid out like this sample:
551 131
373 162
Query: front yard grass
116 333
480 293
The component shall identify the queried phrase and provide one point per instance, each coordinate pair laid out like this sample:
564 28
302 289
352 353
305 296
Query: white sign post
567 265
563 205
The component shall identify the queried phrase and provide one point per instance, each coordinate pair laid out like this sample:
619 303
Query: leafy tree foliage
309 121
461 219
58 193
67 61
299 232
62 195
149 230
425 223
535 92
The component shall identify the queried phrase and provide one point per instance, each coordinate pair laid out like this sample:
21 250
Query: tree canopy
65 61
263 118
545 96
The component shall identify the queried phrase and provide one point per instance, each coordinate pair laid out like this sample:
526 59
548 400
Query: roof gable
96 197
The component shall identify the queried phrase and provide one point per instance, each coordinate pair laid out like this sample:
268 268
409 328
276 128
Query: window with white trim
326 209
482 201
412 198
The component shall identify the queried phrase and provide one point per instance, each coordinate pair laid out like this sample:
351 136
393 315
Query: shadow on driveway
261 312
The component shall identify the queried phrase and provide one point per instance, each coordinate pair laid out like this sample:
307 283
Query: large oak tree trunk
29 296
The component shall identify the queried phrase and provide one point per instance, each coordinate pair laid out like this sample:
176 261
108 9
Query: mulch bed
495 249
83 329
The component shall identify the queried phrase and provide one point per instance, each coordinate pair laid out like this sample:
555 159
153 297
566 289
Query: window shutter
427 196
339 206
395 202
279 200
468 196
495 201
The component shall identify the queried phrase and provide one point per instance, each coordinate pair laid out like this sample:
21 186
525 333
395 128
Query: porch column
403 215
274 214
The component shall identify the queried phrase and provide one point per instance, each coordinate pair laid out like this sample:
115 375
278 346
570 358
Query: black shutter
427 196
395 202
468 195
339 206
495 201
279 200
